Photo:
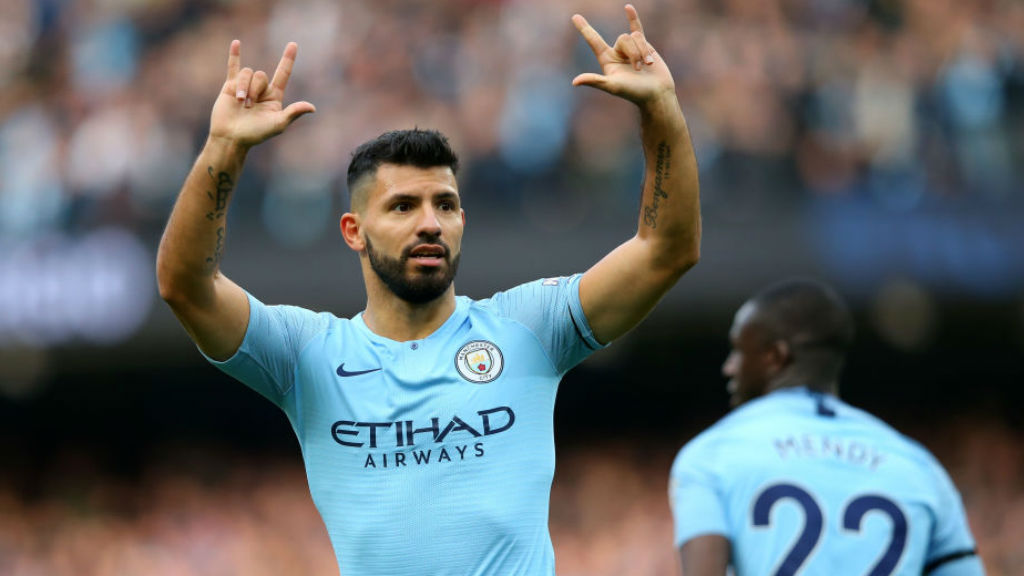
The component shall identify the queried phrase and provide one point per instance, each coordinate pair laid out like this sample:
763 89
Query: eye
402 207
446 205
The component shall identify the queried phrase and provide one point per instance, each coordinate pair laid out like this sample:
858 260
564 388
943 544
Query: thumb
296 109
590 79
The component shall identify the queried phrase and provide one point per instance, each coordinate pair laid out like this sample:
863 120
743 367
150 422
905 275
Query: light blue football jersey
432 456
803 483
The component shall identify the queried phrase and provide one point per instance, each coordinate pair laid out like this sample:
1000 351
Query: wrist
227 146
663 104
662 113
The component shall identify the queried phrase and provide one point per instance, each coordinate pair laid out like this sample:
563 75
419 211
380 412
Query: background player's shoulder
918 461
706 446
752 414
889 434
924 457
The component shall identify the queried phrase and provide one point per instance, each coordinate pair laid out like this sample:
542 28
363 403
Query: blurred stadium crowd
199 511
104 103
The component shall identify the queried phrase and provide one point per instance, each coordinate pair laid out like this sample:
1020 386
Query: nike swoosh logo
345 373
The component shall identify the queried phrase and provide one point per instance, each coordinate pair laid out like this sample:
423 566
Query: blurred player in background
426 421
795 481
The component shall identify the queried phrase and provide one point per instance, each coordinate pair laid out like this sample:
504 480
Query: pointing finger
593 38
284 67
234 58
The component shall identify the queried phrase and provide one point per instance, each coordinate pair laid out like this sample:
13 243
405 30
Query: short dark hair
419 148
812 318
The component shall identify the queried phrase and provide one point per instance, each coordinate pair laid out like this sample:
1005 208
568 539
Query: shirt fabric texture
432 456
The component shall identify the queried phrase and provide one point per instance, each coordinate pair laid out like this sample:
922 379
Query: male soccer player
425 421
795 481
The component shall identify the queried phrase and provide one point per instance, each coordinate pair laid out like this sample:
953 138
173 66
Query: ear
463 212
350 227
780 355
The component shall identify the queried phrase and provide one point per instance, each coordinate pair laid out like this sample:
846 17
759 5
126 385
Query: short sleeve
696 500
274 338
951 548
551 309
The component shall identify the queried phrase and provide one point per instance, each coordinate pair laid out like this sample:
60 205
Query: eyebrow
446 195
402 198
406 197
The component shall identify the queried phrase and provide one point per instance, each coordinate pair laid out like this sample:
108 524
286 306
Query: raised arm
622 288
248 110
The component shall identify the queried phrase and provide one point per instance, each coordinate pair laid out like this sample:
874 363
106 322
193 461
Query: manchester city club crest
479 361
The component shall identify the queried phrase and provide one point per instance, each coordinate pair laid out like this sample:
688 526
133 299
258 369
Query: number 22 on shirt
851 516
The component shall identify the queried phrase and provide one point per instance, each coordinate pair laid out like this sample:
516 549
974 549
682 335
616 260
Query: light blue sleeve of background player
270 350
951 538
698 507
551 309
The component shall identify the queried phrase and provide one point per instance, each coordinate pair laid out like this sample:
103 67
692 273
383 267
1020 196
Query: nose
428 224
729 366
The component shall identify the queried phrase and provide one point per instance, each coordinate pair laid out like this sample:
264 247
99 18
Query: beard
414 288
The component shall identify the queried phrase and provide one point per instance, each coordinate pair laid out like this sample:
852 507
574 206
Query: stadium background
873 143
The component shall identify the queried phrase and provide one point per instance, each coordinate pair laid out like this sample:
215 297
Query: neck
389 316
794 379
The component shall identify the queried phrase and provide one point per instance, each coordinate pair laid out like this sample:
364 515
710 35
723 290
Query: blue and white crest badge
479 361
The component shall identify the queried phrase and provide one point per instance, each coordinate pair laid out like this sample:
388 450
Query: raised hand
631 69
250 107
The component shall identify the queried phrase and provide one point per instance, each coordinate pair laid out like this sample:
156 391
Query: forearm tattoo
223 184
662 168
222 187
213 261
